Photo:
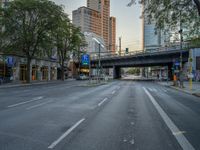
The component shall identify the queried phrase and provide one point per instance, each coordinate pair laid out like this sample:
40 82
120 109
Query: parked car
82 77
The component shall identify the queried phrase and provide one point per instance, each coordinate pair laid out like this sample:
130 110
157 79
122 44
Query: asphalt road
121 115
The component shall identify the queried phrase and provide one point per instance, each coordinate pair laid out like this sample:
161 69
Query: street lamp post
181 53
99 59
99 62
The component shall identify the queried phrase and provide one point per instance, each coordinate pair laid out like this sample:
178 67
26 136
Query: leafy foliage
67 40
32 28
27 24
134 71
168 14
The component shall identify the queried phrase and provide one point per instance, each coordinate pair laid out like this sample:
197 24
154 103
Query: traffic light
126 50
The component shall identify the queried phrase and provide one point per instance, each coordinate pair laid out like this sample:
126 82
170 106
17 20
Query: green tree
134 71
67 38
27 25
167 15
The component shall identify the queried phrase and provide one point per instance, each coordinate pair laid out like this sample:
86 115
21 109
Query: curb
182 90
30 84
186 91
91 85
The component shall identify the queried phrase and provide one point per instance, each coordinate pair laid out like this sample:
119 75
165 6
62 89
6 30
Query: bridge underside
144 60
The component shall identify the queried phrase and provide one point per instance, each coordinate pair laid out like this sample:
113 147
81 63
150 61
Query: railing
134 53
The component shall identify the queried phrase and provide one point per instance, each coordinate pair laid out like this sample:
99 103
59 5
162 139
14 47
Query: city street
119 115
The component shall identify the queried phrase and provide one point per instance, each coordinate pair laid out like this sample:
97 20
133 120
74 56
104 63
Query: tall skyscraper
96 18
3 3
87 19
151 38
103 6
112 38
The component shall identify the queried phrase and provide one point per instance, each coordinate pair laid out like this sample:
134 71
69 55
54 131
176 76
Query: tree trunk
63 73
28 72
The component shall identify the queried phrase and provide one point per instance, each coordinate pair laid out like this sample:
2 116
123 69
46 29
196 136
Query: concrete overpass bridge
140 59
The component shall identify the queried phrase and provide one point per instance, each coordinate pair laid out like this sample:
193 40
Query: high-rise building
103 6
95 18
151 38
3 3
112 38
87 19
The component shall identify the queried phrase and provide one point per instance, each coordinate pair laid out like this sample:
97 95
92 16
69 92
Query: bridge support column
116 72
170 73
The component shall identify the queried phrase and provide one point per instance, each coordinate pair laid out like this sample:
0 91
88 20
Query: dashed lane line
113 92
38 105
25 102
103 101
64 135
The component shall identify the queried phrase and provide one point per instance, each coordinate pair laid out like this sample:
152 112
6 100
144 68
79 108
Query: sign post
190 70
85 62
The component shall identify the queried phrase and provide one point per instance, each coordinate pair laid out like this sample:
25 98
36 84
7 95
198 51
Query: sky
129 24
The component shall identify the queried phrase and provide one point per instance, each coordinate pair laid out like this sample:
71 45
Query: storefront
22 73
2 69
13 68
35 72
44 71
53 73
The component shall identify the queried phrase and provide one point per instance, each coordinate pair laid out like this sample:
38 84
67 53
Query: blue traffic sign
10 61
85 59
177 63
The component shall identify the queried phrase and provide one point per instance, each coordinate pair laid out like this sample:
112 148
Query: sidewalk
20 84
195 87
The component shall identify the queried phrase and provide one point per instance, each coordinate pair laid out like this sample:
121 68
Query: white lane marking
132 141
113 92
184 143
150 89
34 99
38 105
104 100
66 134
154 90
178 133
165 91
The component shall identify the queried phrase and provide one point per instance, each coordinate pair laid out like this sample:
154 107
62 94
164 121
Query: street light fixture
99 58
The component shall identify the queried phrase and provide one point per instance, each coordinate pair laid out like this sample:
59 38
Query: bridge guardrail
153 51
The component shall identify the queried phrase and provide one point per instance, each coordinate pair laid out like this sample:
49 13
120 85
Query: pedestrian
158 76
175 80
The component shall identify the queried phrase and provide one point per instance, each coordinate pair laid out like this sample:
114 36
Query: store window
44 71
23 71
34 73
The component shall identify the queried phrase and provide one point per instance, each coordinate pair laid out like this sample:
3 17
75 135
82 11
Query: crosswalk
157 90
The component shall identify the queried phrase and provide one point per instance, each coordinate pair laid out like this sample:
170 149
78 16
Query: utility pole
120 45
99 63
181 54
79 64
190 70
